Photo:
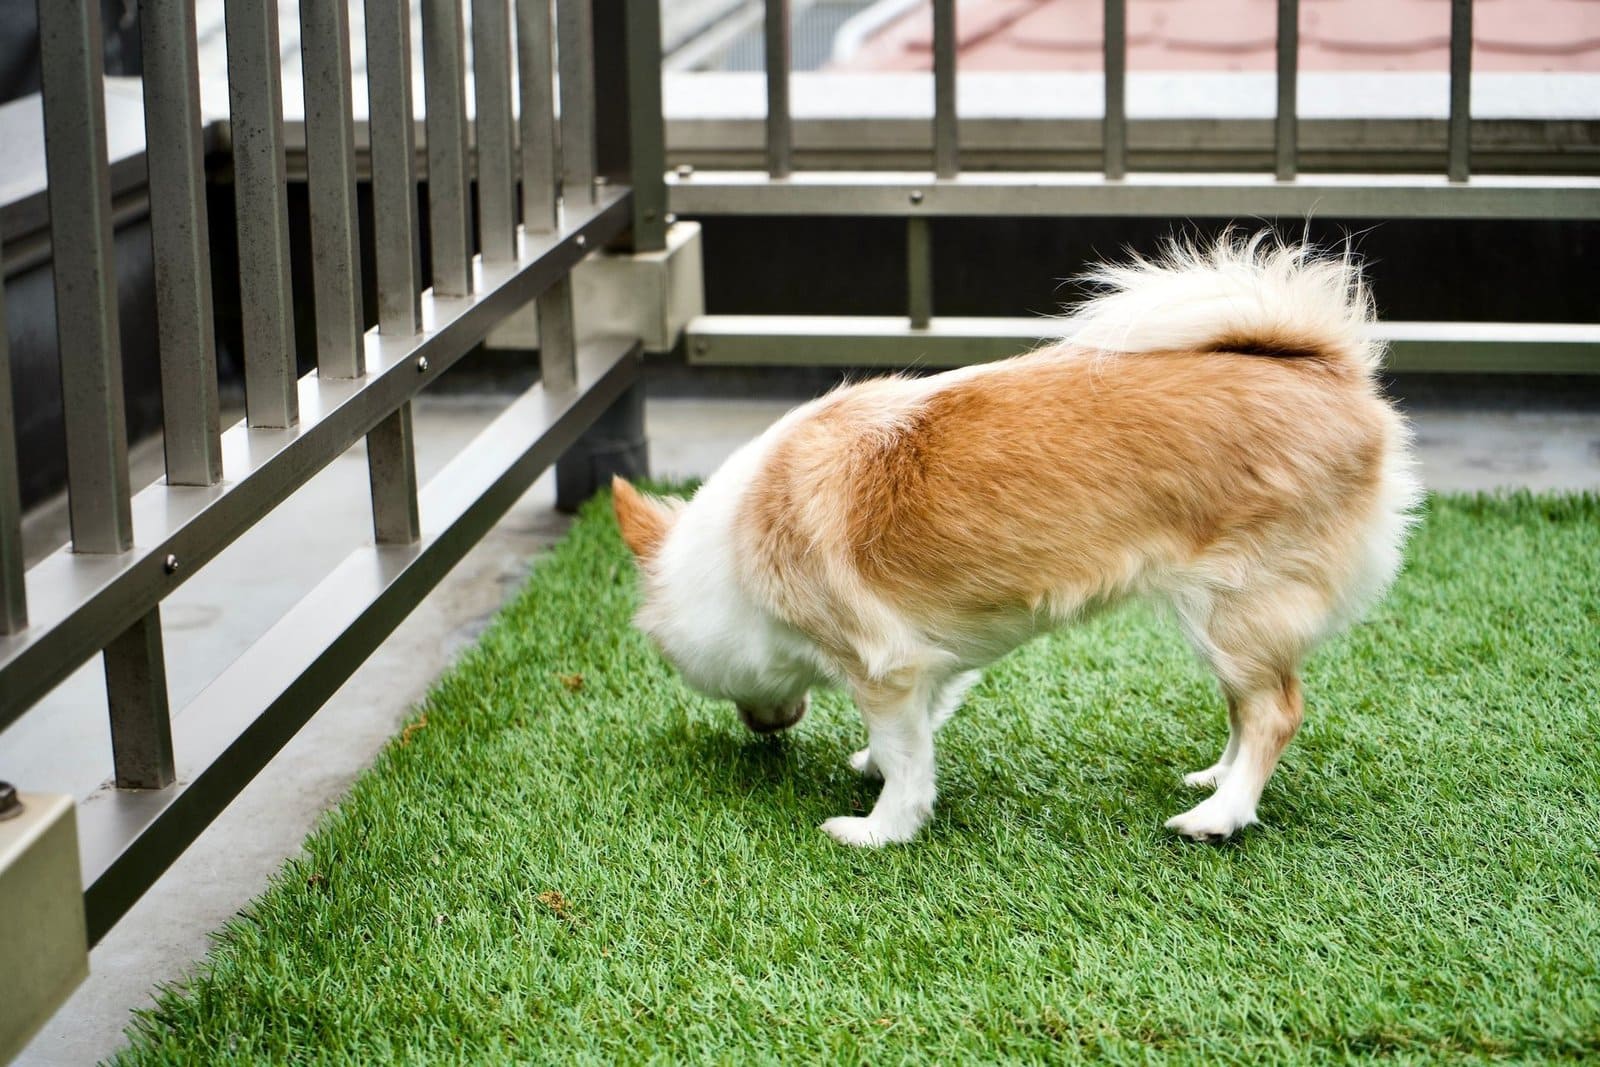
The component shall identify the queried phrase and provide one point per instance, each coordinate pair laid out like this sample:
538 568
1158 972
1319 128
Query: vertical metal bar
558 337
444 68
1115 130
136 694
491 79
392 472
394 167
255 105
644 163
946 150
919 272
537 119
575 55
780 136
1287 131
1460 163
331 183
71 65
180 240
13 587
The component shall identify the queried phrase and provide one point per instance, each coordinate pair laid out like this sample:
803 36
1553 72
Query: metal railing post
575 56
13 578
444 68
331 182
136 696
180 239
946 148
1114 132
780 135
491 79
261 208
539 169
1286 130
919 271
394 167
1460 152
630 132
392 474
558 337
90 346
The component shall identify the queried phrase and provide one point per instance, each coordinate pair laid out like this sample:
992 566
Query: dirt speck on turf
420 724
560 905
573 682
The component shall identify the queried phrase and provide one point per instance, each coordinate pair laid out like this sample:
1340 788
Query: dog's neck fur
722 639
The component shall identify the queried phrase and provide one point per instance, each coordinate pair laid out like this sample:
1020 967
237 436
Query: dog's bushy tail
1251 294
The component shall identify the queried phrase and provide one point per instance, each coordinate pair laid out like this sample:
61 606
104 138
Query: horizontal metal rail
846 193
890 341
241 720
79 603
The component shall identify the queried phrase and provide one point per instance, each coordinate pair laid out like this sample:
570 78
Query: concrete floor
236 597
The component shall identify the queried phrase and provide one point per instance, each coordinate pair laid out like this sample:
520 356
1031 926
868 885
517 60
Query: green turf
568 858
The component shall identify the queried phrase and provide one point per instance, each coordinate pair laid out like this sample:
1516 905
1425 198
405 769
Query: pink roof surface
1335 35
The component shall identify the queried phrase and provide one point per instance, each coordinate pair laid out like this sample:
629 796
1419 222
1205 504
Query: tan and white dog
1212 435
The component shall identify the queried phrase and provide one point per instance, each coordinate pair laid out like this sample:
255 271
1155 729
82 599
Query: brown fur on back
1057 480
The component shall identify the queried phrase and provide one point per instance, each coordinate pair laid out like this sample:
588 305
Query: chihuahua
1210 434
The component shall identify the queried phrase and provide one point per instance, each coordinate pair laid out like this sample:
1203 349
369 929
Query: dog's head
698 616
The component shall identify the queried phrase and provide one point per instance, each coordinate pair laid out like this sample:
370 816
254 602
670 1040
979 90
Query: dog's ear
644 520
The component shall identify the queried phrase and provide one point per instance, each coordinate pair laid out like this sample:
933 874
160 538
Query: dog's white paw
864 831
1212 820
862 763
1209 778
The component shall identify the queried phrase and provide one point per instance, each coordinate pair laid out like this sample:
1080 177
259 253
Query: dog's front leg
900 739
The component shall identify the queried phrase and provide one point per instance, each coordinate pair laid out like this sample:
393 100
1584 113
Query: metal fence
552 184
943 189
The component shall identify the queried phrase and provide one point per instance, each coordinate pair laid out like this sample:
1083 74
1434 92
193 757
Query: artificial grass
567 857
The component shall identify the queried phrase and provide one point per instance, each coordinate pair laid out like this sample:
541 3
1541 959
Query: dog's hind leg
945 705
900 740
1255 642
1213 775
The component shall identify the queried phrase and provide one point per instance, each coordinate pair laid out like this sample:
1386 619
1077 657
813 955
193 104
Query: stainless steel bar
1115 129
1460 162
780 134
444 70
1068 194
72 74
261 205
136 695
575 57
491 78
537 119
245 716
919 272
331 183
180 241
1286 130
392 473
78 604
394 167
558 337
946 148
888 340
13 585
647 149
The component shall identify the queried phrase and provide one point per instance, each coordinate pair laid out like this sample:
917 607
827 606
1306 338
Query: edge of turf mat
566 857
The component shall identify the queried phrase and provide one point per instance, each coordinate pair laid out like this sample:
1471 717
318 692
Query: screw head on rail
10 803
170 564
581 241
422 364
916 196
685 170
671 219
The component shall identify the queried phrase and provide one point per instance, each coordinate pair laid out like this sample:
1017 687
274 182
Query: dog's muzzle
771 720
